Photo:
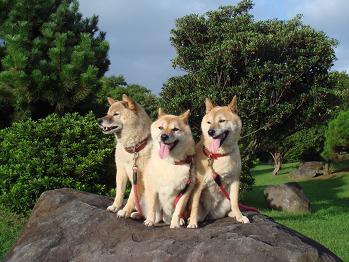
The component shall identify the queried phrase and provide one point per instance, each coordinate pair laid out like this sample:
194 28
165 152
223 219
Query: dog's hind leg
121 182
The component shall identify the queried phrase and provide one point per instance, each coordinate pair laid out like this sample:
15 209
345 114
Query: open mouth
165 148
171 145
108 128
222 137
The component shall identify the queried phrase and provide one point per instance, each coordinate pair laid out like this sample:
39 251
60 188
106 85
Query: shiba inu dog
218 166
169 176
130 124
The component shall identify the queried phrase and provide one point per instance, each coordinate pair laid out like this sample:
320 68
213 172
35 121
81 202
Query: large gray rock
67 225
310 169
287 197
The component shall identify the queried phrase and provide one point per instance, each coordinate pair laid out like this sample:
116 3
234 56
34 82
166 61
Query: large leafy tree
53 56
278 69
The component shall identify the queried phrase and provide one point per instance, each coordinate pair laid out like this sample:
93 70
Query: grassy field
10 227
329 221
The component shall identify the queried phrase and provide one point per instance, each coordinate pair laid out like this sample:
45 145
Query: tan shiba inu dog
218 166
131 126
169 175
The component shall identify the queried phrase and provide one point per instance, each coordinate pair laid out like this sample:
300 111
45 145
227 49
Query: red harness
186 161
134 150
218 179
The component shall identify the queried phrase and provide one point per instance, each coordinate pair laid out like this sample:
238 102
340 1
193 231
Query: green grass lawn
10 227
329 221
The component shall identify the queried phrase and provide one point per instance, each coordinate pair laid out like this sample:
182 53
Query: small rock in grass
287 197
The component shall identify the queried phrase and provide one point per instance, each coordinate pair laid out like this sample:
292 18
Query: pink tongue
164 150
216 142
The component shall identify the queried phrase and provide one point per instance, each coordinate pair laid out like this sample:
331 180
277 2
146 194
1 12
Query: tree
115 86
278 69
305 145
341 90
53 57
337 138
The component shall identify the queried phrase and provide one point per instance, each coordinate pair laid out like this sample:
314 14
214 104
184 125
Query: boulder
287 197
310 169
68 225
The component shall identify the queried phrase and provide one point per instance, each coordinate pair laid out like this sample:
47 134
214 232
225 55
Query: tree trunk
277 162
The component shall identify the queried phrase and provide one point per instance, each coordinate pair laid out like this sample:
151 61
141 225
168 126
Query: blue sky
138 31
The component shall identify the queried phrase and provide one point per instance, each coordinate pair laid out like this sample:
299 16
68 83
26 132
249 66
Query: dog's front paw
148 223
136 215
239 218
192 225
243 219
112 209
175 224
181 221
123 213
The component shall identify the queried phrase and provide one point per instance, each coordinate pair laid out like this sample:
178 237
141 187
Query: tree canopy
278 69
53 56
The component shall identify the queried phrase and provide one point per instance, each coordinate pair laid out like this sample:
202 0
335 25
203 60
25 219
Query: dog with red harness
169 174
218 166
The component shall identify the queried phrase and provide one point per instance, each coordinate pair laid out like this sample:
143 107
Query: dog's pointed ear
185 116
209 105
128 102
161 112
110 101
233 105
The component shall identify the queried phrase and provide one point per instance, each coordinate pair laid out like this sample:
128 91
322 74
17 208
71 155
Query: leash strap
188 160
218 179
135 183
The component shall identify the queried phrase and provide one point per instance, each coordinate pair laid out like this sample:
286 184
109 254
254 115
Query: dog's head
221 125
121 115
171 134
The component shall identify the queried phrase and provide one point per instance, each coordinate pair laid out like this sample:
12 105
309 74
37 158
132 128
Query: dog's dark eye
115 114
208 122
175 129
222 120
161 128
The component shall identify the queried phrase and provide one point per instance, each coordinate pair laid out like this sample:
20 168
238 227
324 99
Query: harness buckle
210 162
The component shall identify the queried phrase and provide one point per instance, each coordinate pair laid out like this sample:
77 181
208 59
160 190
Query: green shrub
337 137
305 145
54 152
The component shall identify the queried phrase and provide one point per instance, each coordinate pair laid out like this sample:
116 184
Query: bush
337 138
305 145
54 152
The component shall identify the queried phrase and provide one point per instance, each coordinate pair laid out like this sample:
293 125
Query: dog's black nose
99 121
164 137
211 132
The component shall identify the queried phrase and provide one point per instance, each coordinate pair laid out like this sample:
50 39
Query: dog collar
211 155
138 147
187 160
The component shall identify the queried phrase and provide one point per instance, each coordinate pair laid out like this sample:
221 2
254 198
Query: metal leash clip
210 162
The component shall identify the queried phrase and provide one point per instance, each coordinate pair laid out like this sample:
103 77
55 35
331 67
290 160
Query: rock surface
287 197
68 225
310 169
